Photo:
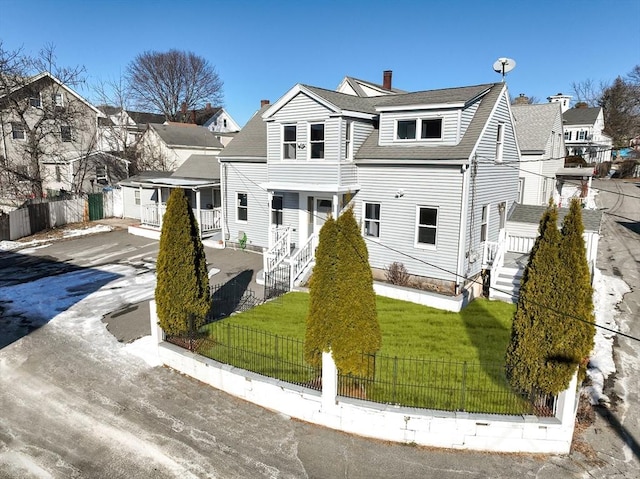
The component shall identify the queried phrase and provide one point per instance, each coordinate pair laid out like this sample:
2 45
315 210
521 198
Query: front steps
507 284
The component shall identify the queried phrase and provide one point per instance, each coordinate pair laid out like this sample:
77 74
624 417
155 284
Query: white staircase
506 285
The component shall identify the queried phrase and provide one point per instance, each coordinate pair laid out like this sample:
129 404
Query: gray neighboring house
427 173
145 196
541 140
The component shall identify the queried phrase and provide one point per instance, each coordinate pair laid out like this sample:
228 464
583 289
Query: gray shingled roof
534 124
354 83
202 167
194 136
532 214
371 152
250 142
345 101
446 95
580 116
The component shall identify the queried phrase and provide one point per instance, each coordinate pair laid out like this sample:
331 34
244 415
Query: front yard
429 358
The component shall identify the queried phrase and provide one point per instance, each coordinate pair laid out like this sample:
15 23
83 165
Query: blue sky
263 48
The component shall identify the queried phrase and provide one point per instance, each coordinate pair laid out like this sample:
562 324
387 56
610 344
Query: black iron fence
422 383
445 385
231 297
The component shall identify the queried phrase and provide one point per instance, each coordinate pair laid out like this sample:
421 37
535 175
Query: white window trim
309 142
295 142
21 128
102 177
417 244
484 222
39 98
238 193
273 210
365 219
348 140
136 197
500 142
418 138
54 99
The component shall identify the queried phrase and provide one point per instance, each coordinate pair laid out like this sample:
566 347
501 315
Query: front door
323 208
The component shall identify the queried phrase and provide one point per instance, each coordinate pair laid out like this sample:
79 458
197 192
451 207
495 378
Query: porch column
198 215
159 206
336 206
141 205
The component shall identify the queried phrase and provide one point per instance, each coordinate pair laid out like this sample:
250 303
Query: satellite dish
504 65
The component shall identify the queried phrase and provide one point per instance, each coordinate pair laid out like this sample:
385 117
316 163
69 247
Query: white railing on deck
302 258
498 259
152 214
520 244
489 253
278 252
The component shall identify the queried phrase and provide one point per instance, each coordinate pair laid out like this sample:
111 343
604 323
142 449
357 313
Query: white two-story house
430 176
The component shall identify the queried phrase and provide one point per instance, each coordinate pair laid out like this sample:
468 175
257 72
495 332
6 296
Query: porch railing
152 214
279 251
302 258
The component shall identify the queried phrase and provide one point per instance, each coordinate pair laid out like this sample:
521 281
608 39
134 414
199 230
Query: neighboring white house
584 131
120 129
215 119
541 141
168 146
430 176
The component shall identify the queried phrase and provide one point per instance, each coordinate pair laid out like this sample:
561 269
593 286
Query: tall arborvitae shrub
182 290
578 328
535 324
357 329
323 300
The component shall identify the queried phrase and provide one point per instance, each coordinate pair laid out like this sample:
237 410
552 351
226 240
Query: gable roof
581 116
372 152
355 84
142 117
204 167
532 214
250 143
534 124
186 135
44 75
453 96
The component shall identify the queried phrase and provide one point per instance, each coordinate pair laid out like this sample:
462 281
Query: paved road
74 403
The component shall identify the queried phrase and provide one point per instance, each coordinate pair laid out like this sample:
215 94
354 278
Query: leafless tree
42 125
587 91
523 99
173 81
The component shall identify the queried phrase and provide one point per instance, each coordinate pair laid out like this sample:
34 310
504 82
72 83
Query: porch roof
318 187
174 182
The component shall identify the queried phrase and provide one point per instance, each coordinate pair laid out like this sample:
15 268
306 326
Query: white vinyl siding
421 186
245 177
389 124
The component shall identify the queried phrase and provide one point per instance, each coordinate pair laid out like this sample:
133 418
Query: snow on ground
65 233
608 292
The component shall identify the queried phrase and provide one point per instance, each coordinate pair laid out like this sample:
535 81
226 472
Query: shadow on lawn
489 336
232 296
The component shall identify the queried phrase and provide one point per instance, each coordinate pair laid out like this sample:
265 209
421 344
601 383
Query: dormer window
317 140
406 130
289 142
429 128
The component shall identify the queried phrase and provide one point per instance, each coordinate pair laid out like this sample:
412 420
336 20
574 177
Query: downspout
462 235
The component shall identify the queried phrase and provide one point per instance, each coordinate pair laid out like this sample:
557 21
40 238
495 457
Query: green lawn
479 333
429 358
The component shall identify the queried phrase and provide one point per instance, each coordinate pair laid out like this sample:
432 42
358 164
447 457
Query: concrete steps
507 284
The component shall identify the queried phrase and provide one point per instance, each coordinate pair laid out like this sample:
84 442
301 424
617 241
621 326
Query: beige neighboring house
542 148
167 147
43 112
120 129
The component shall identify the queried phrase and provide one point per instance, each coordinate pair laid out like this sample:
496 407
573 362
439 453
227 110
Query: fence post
157 334
329 382
395 378
463 386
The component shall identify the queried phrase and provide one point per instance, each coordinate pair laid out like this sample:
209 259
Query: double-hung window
372 219
427 223
18 132
35 101
499 142
484 226
289 142
242 207
65 133
567 136
347 139
57 99
276 210
317 140
136 196
101 172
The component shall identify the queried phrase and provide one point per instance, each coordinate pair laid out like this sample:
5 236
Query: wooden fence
47 214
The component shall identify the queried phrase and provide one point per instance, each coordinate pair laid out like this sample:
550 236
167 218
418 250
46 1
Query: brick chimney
208 107
386 79
521 100
264 103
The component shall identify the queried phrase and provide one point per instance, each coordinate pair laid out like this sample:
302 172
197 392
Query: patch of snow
146 349
10 245
607 293
71 233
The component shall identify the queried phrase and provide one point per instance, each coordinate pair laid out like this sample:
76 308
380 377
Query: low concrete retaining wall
455 430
